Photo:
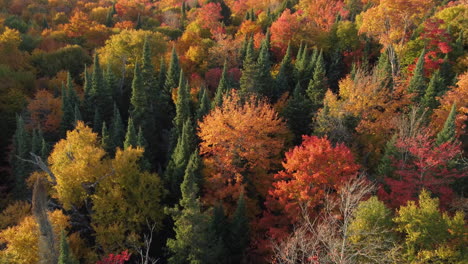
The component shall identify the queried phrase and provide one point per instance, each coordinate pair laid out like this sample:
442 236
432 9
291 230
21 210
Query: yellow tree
242 142
392 22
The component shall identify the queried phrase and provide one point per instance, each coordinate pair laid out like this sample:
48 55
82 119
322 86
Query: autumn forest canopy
233 131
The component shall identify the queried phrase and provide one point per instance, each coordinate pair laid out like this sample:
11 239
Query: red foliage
209 16
425 165
282 31
212 77
116 259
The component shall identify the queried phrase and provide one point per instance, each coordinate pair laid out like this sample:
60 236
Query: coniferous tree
310 62
97 121
298 113
87 104
44 151
223 87
239 231
36 141
186 143
385 70
138 23
131 135
173 72
448 132
435 88
65 257
106 140
264 80
77 115
148 76
21 169
284 80
418 81
243 49
112 84
139 101
68 115
182 104
109 19
117 128
101 95
250 71
318 84
162 75
385 167
204 106
194 242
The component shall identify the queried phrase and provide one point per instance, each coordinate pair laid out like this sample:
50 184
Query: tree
240 144
101 95
223 87
21 169
433 89
173 72
131 135
68 116
418 82
45 111
106 141
65 257
239 231
117 128
265 85
431 236
318 85
182 104
76 160
204 106
284 80
312 171
448 133
298 114
116 259
250 71
139 109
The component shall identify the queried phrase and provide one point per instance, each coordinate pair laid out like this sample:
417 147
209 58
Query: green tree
106 140
385 167
318 84
223 87
139 100
97 121
239 231
65 257
77 115
21 169
418 81
131 136
117 128
173 72
284 79
68 115
448 132
182 104
298 113
36 141
433 89
250 71
204 106
101 95
265 85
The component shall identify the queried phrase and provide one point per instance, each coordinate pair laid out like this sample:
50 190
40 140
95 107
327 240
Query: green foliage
385 167
106 140
117 128
131 136
65 257
139 101
265 85
318 84
204 106
182 104
173 72
21 168
284 79
223 87
239 231
418 81
250 71
298 113
448 132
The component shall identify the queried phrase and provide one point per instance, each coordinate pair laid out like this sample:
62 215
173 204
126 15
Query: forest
233 131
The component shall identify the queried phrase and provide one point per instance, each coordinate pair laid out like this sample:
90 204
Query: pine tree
88 104
77 115
385 167
162 75
21 169
223 87
173 72
265 84
131 136
65 257
112 84
298 113
284 80
385 70
318 84
139 101
204 106
101 95
68 115
138 23
448 132
301 66
97 121
149 80
71 93
182 104
44 151
36 142
435 85
243 49
109 19
418 81
186 144
117 128
106 140
141 141
250 71
239 231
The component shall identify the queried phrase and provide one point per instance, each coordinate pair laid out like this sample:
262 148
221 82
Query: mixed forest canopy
233 131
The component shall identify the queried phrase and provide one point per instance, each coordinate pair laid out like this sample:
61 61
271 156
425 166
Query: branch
36 160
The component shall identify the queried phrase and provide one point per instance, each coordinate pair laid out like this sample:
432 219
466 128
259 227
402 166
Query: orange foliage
45 111
324 12
241 144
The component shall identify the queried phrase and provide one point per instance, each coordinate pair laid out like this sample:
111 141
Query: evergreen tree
182 104
65 257
138 23
109 18
448 132
435 88
223 87
284 80
44 151
141 141
77 115
264 81
193 241
243 49
418 82
139 101
204 106
149 80
68 115
239 231
112 83
173 72
106 140
21 169
250 71
385 70
385 167
186 143
131 136
117 128
162 75
71 93
97 121
36 142
310 62
446 72
298 113
301 66
318 84
88 104
101 95
335 69
45 25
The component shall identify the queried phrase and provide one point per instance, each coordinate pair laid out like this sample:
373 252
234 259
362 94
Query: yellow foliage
76 160
22 240
14 214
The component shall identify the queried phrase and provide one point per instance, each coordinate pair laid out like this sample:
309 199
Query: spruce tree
66 256
147 73
101 95
318 84
162 75
204 106
97 121
44 151
138 23
138 101
448 132
109 19
250 71
385 70
131 136
223 87
243 48
112 84
239 231
106 140
301 66
385 167
265 84
77 115
284 80
88 104
21 169
68 115
298 114
435 85
117 128
173 72
182 104
36 141
418 81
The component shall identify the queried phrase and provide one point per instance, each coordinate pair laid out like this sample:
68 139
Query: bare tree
325 239
144 250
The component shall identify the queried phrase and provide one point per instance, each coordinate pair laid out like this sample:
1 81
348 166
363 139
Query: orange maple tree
45 111
241 143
